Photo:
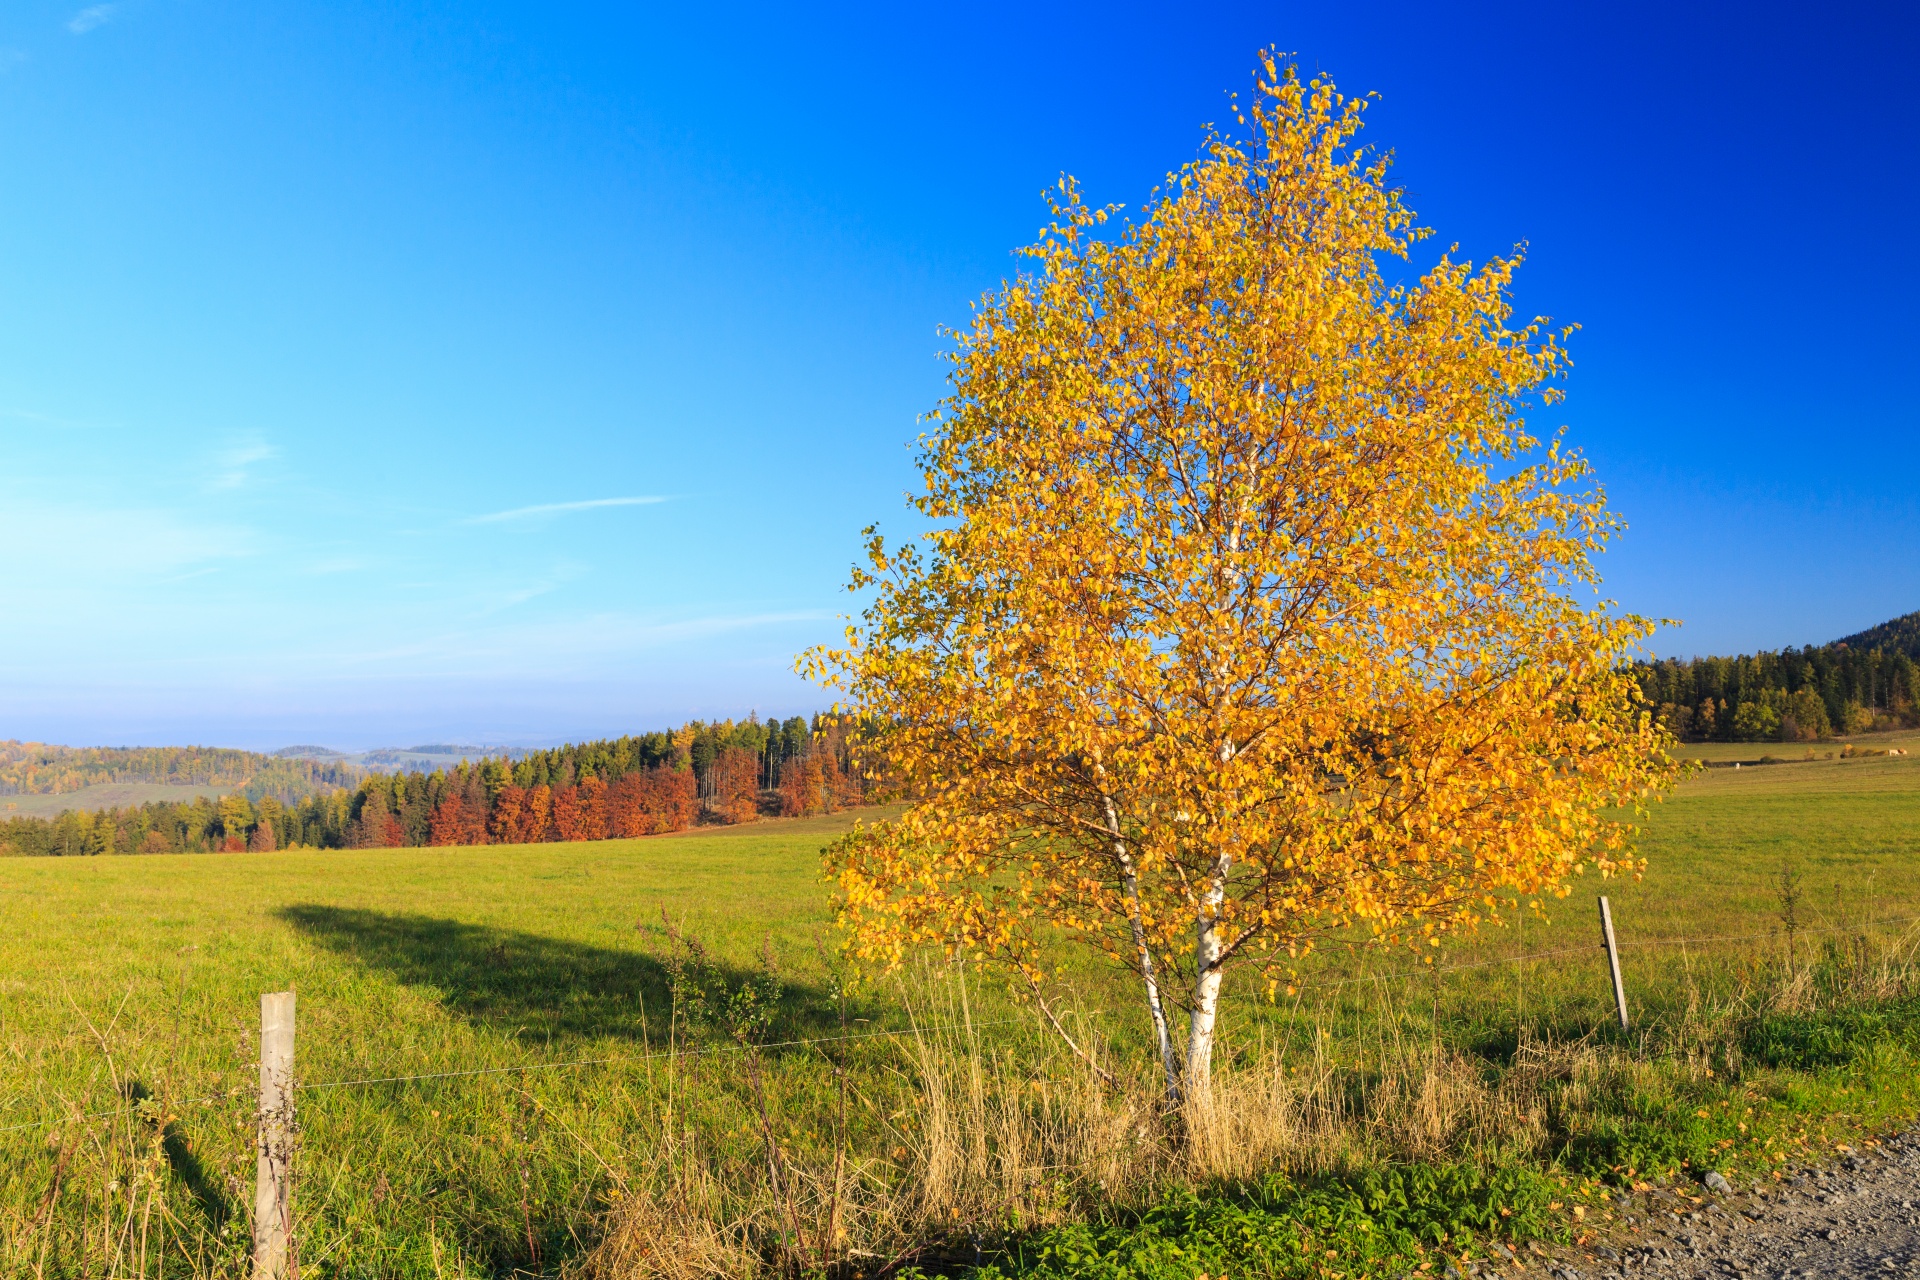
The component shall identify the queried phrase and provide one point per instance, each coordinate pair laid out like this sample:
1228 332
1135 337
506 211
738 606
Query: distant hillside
46 769
105 795
726 771
1902 635
1865 682
431 756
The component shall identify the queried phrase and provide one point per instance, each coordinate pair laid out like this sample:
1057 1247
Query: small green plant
744 1011
1388 1221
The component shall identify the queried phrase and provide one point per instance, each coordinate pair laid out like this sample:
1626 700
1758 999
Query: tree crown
1250 607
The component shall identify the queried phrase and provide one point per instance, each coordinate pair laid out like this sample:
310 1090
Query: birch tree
1250 610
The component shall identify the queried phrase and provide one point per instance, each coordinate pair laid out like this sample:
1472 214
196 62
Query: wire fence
1427 971
652 1055
629 1059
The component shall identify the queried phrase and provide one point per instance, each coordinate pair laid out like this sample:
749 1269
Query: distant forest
40 769
731 772
1858 684
725 772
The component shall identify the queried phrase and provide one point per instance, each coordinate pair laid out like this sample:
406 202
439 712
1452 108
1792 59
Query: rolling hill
1900 635
45 778
428 757
106 795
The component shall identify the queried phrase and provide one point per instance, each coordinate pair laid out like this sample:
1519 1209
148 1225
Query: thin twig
1080 1053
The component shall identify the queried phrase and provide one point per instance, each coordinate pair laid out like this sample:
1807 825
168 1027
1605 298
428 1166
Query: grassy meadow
107 795
600 1128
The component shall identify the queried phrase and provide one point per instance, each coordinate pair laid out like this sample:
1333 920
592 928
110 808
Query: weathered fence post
273 1176
1613 960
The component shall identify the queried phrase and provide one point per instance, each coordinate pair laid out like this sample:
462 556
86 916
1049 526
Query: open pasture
527 989
1865 746
107 795
138 978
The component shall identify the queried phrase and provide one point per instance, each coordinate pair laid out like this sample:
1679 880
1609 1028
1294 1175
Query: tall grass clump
996 1140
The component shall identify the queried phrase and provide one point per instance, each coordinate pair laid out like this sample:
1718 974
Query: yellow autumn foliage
1251 610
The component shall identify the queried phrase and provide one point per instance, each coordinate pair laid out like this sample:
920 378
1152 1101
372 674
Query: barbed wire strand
1592 947
623 1059
656 1054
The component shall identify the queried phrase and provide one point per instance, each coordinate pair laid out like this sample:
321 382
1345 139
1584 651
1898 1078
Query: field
1723 754
105 795
128 1008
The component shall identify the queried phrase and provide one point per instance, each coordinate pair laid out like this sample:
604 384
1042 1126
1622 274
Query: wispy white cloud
562 573
11 58
31 415
387 660
94 15
230 465
102 547
576 645
561 508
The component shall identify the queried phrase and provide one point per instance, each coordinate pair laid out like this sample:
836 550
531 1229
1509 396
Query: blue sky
375 374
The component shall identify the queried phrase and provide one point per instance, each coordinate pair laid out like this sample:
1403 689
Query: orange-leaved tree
1250 610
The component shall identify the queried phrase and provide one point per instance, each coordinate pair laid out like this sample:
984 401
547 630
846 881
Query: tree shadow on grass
185 1165
535 987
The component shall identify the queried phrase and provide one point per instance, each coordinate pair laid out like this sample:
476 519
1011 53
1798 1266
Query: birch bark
1208 956
1149 973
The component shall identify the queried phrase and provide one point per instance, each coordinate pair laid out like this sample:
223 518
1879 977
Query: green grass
1384 1221
1818 1087
130 987
140 977
1728 752
1706 913
1702 929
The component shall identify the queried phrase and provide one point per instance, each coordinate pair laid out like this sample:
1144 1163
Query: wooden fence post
1613 960
273 1174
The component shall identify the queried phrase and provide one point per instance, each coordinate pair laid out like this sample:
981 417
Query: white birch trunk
1209 958
1207 949
1143 953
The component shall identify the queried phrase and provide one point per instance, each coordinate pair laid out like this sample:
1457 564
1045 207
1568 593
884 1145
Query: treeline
44 769
1793 695
724 772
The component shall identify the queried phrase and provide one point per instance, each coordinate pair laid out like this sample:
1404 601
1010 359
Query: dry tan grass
1002 1138
673 1231
1007 1137
1008 1130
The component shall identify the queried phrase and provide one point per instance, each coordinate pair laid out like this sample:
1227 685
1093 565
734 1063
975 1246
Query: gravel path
1861 1218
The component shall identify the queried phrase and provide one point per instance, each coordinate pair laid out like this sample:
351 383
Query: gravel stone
1856 1222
